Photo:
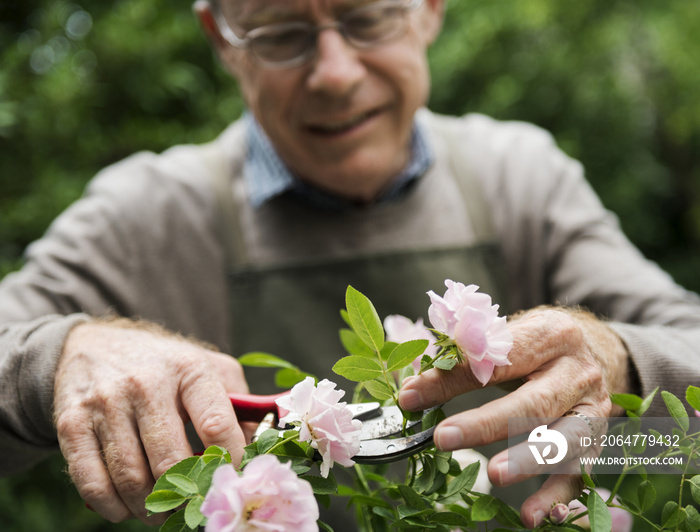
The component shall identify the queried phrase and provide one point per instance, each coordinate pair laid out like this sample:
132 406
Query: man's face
342 120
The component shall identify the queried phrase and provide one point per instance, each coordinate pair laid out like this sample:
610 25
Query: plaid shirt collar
266 176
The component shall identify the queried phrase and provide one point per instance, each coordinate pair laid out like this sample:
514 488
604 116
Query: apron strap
220 173
450 130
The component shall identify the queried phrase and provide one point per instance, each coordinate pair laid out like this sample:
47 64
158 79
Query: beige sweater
142 242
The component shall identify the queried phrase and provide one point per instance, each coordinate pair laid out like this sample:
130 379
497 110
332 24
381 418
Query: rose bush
276 488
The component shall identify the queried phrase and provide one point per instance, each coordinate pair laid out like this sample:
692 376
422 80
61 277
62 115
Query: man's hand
567 359
123 393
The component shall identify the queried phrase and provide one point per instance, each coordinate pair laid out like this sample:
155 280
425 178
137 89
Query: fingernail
537 517
408 380
448 438
410 400
507 472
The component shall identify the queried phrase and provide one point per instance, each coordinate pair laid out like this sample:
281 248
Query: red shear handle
254 407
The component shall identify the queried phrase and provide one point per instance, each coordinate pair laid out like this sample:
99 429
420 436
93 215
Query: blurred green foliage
85 84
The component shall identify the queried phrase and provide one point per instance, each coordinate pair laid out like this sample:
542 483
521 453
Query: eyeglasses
291 44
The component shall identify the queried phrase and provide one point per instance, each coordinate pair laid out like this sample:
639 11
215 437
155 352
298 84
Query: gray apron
290 264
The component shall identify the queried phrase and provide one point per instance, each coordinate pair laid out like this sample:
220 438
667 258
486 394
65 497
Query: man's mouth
335 127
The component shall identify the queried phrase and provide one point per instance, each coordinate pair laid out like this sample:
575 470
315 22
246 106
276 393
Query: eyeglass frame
243 43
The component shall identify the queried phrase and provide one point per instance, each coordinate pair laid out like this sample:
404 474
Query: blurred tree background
84 84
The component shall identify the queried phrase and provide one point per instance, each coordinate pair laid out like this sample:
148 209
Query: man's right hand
123 394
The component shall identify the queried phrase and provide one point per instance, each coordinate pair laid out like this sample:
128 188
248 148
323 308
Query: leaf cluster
184 486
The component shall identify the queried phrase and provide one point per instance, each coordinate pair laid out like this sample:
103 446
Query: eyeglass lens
363 27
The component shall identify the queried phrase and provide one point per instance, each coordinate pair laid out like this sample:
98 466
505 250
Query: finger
83 454
556 489
212 415
230 371
162 432
127 464
538 340
540 398
540 453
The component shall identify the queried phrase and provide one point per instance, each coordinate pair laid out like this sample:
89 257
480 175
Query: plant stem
291 438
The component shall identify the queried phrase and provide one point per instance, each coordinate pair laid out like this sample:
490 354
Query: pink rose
472 322
325 422
622 520
400 329
559 513
267 496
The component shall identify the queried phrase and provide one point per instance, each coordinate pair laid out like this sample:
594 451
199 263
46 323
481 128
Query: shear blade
391 450
389 423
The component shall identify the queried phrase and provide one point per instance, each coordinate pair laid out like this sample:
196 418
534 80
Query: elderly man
335 176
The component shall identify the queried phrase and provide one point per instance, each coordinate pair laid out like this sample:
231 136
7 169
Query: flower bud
559 513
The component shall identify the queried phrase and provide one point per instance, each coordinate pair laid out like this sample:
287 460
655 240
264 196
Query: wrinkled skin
123 393
566 360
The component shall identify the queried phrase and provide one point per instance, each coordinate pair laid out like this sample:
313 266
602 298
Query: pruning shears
381 439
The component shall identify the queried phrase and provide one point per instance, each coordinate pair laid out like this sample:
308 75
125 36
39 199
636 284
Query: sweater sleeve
140 243
563 247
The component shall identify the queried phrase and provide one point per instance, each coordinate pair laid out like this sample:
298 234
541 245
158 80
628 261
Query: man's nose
337 68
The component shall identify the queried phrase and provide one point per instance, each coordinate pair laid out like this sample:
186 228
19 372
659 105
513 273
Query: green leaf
263 360
358 369
446 364
346 318
412 498
164 500
379 389
204 478
364 319
695 488
425 480
288 377
409 511
386 350
464 481
672 514
406 353
432 418
484 508
193 515
183 483
587 480
647 402
176 523
387 514
646 494
507 515
676 409
189 467
450 519
598 513
627 401
320 485
215 450
324 526
290 449
325 500
267 440
354 346
442 461
692 516
366 500
692 395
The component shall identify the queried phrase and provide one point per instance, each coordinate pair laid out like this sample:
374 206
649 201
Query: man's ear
202 8
434 16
